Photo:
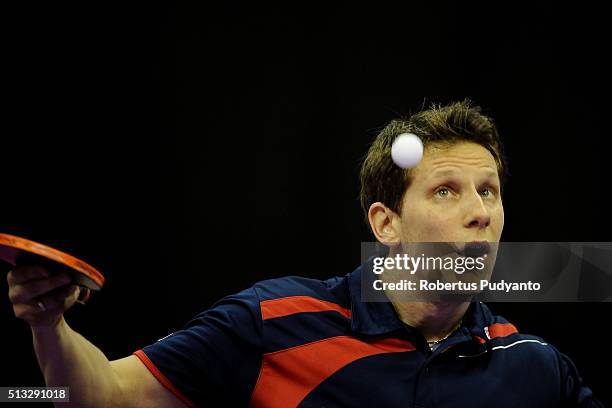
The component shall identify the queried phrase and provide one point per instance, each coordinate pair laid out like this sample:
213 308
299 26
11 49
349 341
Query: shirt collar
377 318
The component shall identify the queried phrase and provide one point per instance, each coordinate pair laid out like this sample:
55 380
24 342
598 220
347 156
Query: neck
434 320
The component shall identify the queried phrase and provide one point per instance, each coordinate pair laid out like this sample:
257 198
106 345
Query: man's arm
67 359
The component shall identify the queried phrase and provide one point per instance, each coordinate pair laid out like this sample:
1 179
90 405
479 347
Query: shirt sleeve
215 358
575 392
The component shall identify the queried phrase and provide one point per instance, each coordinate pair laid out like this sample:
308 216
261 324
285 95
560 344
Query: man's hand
38 297
67 359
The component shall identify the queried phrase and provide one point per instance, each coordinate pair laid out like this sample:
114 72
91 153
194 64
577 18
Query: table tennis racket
20 251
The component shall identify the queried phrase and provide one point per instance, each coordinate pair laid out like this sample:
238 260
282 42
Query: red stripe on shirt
288 376
162 378
297 304
501 330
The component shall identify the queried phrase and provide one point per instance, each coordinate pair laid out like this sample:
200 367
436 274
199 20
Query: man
302 342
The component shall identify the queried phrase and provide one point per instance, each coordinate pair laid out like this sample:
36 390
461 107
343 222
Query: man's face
454 197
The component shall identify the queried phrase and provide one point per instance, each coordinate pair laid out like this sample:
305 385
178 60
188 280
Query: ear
385 224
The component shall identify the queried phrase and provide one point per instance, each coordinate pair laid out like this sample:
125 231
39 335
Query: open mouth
474 249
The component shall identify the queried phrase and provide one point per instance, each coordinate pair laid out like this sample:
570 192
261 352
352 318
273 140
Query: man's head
452 195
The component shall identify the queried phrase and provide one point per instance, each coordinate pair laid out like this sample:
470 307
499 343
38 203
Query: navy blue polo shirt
297 342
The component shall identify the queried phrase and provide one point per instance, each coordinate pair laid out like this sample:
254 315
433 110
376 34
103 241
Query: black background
189 152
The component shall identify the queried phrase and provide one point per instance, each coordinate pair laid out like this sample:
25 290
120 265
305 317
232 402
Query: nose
477 215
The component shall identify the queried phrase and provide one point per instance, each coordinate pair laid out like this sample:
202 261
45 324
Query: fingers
26 291
40 297
23 274
55 303
59 299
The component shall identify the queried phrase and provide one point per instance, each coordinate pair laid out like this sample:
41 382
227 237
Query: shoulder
294 294
285 295
291 286
509 342
527 359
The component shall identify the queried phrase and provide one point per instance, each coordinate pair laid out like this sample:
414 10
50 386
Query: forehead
452 158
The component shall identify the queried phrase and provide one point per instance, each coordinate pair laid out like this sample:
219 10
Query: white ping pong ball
407 150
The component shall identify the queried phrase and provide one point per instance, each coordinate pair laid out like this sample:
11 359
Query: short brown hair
382 180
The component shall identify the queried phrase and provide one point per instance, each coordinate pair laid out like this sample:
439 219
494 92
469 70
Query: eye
442 192
487 192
